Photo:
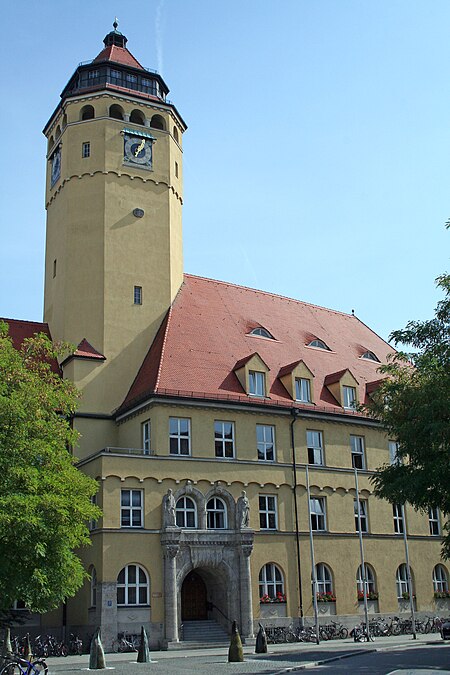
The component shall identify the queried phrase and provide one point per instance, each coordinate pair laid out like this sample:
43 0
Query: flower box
267 600
370 596
326 597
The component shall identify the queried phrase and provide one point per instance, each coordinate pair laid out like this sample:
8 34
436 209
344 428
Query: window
115 74
224 439
93 587
315 447
265 441
433 520
132 586
54 268
257 383
176 169
370 581
157 122
116 112
18 604
137 117
357 447
130 78
402 582
179 436
320 344
186 513
137 296
216 514
324 580
393 453
302 389
261 332
131 508
370 356
318 514
440 579
87 112
398 518
349 397
93 523
362 515
267 512
86 150
146 427
92 74
271 583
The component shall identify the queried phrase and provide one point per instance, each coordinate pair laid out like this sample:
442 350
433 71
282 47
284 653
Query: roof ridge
272 295
163 347
38 323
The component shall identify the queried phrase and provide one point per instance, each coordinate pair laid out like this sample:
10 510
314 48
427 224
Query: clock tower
114 199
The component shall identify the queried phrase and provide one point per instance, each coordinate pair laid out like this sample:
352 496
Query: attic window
262 332
370 356
319 344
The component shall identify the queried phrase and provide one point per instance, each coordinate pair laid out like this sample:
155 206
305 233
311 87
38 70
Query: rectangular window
265 442
362 515
224 439
54 268
433 519
393 452
176 169
115 74
349 397
92 74
86 149
315 447
179 436
302 389
93 523
131 508
146 437
357 447
137 296
131 79
267 512
318 514
256 381
398 518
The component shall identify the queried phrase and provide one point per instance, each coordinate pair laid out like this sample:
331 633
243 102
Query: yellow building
204 403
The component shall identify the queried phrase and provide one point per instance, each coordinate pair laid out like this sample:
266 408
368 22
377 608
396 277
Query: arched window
64 121
216 514
271 583
370 356
262 332
137 117
186 513
320 344
116 111
58 132
51 142
87 113
440 579
93 587
402 582
175 134
157 122
324 579
132 586
370 582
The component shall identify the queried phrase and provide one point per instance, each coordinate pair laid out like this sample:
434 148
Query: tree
45 501
413 404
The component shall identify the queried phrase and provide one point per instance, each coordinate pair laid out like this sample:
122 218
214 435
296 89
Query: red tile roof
20 330
87 351
285 370
335 377
118 55
204 335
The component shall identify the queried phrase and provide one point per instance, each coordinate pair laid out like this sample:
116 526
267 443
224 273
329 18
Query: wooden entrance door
193 598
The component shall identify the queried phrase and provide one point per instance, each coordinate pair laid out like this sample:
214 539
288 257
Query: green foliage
413 404
45 502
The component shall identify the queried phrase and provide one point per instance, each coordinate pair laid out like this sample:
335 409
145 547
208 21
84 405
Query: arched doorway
193 598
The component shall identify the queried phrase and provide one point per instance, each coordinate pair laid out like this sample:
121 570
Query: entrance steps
198 634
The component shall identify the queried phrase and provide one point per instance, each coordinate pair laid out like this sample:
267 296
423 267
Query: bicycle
125 643
19 666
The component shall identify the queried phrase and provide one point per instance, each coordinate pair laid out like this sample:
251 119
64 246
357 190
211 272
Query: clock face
56 166
138 151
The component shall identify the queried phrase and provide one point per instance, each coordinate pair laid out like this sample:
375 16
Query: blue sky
317 158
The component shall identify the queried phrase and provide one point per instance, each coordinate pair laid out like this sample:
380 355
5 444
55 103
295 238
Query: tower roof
116 51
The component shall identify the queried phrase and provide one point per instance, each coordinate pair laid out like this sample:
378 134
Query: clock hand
140 147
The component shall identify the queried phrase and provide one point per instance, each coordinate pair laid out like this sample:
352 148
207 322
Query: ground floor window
271 583
132 586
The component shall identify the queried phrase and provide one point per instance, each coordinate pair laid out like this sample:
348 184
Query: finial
353 312
116 23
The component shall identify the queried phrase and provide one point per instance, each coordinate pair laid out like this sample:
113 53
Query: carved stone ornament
247 550
172 550
243 511
168 510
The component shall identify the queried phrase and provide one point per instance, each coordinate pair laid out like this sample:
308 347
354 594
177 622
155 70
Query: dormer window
256 383
349 397
370 356
320 344
302 389
261 332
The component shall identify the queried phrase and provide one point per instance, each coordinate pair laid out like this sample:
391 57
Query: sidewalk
280 659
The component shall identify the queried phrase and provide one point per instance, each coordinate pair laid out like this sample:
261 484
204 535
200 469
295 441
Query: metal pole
363 563
295 414
313 561
409 578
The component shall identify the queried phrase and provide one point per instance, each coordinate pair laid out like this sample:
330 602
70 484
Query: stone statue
169 518
243 511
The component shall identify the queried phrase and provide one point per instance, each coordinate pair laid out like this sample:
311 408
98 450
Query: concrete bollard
27 650
144 651
8 645
96 654
235 652
261 641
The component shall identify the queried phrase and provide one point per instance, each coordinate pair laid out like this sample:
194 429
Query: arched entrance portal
193 598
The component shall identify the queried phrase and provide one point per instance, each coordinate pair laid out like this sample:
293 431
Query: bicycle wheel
343 633
37 667
115 646
10 669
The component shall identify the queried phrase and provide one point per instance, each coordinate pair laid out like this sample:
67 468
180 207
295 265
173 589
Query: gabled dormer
253 374
298 381
344 387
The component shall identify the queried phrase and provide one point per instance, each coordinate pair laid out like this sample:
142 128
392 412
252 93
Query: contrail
159 36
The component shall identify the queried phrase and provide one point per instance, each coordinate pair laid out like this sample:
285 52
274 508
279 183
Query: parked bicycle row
46 645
